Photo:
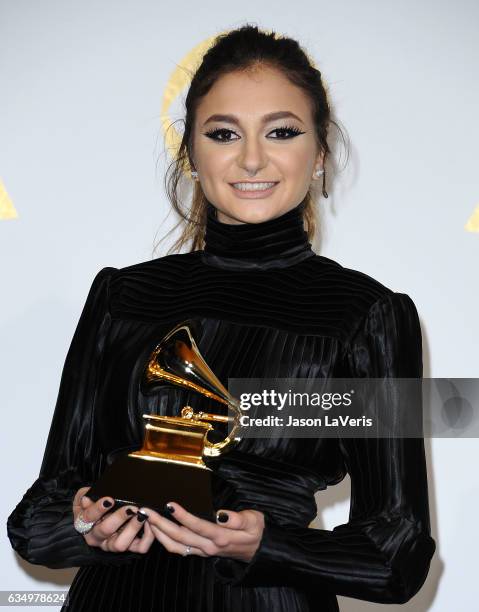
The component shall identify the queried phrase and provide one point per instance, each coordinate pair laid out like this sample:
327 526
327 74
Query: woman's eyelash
289 128
294 131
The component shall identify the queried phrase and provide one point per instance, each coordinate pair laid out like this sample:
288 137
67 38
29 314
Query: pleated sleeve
383 553
40 528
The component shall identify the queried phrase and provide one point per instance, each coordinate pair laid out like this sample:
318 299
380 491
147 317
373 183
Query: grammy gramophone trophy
169 465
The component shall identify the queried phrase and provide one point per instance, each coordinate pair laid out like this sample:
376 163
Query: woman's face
236 140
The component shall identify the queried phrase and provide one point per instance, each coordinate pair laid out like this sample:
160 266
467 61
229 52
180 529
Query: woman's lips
254 194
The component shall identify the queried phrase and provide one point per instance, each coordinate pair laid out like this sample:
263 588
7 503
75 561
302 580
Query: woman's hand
238 537
115 532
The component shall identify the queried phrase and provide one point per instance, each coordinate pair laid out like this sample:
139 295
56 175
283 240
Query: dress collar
275 243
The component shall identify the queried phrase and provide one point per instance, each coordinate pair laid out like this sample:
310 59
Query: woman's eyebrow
265 119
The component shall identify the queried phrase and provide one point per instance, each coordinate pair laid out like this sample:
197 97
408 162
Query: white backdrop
82 158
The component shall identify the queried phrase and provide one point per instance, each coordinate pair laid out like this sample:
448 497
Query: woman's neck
275 243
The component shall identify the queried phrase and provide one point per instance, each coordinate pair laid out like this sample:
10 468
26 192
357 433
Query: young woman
255 140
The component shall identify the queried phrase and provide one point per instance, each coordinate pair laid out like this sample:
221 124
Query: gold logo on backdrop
177 82
472 224
7 209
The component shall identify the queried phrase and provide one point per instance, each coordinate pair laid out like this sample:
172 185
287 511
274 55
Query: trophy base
153 483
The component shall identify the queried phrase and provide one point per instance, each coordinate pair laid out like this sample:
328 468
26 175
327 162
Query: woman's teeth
253 186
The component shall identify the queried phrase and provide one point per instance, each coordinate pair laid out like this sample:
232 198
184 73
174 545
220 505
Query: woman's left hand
238 537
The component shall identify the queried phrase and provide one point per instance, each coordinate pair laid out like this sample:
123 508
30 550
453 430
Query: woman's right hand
115 532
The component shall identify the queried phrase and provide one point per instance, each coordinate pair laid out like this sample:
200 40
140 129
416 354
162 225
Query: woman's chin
254 211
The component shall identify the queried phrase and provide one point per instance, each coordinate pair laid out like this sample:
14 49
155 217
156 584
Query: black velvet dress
268 307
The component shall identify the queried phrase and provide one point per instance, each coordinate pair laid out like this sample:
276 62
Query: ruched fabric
267 306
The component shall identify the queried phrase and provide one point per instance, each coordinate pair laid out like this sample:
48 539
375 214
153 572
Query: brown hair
243 49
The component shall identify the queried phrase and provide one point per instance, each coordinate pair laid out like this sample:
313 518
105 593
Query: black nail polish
141 516
107 503
222 517
169 508
130 512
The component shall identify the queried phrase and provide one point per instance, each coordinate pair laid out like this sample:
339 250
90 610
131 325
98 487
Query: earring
194 174
319 172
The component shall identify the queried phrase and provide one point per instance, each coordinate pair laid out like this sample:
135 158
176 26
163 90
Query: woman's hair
242 49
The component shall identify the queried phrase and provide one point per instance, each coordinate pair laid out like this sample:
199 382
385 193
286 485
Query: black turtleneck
275 243
264 306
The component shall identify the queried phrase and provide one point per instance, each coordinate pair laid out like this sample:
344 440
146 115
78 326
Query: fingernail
141 516
107 503
169 508
130 512
222 517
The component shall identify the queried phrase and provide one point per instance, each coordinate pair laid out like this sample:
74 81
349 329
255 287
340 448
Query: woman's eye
292 131
215 134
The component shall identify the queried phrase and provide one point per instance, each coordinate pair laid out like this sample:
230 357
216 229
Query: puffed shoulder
387 339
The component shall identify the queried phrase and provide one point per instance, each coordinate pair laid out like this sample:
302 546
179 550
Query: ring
82 526
187 551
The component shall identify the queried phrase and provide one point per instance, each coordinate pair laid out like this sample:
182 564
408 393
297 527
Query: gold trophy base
153 482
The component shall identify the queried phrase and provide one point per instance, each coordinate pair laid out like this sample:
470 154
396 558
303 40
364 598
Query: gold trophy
169 466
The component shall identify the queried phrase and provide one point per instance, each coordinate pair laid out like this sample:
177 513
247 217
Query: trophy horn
177 360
